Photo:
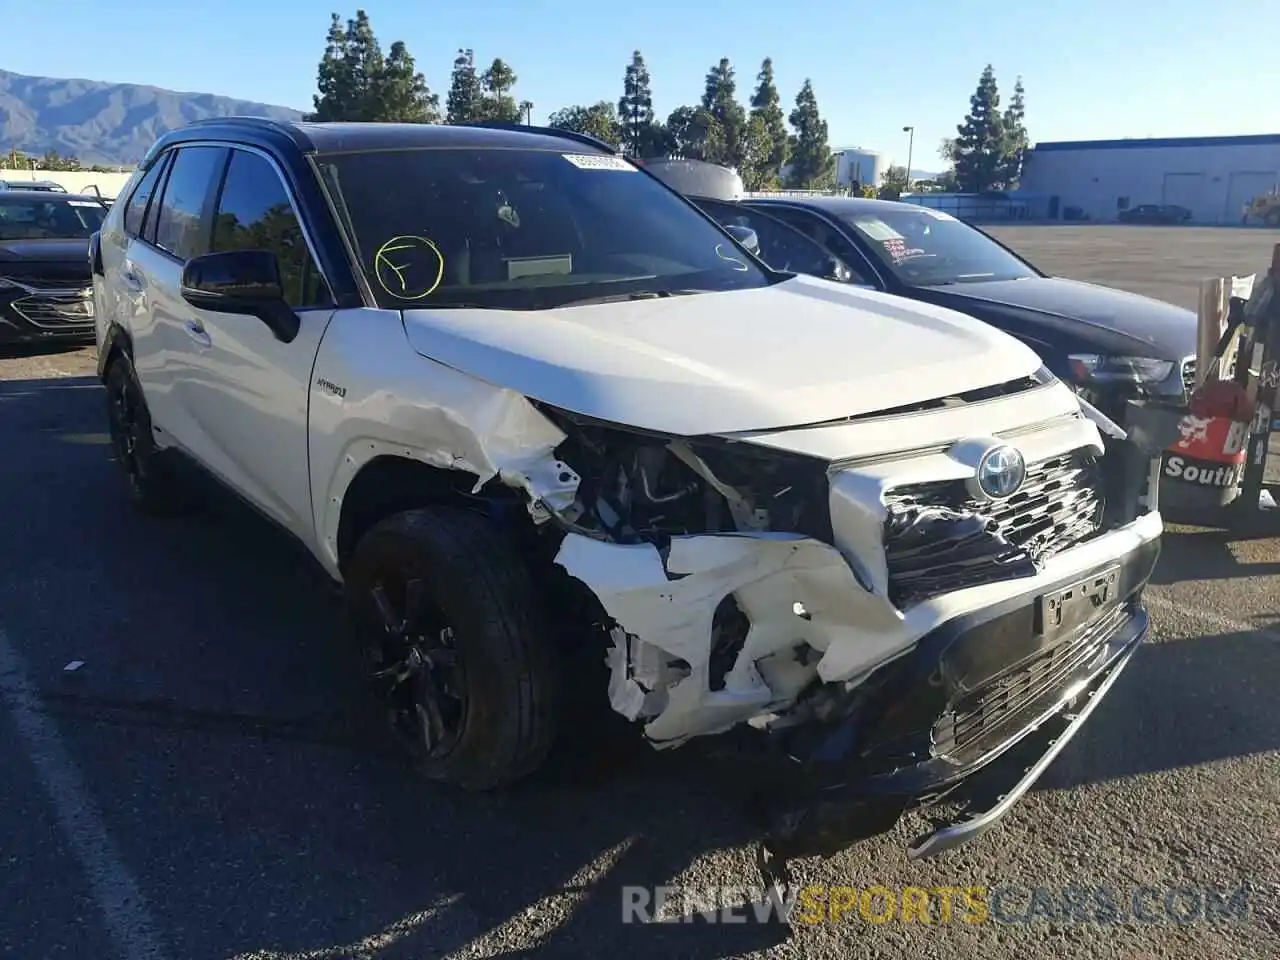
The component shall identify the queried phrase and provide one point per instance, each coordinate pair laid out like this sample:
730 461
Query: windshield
52 218
926 247
525 230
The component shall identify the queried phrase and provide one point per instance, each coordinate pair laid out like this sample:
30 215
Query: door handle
197 333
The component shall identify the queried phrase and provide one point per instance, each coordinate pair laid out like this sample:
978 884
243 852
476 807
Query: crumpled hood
800 352
1160 329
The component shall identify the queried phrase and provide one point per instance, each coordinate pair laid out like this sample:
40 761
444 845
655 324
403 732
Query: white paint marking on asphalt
1224 624
117 894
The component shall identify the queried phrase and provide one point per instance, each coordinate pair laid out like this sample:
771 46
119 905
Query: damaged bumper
971 718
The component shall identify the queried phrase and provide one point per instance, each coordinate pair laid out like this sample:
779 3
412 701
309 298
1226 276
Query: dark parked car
1112 346
1155 213
45 287
40 186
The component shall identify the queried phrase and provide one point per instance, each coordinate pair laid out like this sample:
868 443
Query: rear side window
255 213
182 227
137 209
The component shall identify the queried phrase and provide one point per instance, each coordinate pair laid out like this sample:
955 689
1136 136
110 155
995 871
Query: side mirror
746 237
244 282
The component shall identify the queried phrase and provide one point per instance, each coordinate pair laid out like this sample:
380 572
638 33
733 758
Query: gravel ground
205 785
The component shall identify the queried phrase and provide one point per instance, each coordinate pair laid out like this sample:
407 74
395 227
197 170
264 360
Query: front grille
939 539
1189 374
55 310
988 716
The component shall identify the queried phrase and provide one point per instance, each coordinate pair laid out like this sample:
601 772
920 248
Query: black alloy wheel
414 667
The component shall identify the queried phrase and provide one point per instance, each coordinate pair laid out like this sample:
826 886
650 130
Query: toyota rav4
533 410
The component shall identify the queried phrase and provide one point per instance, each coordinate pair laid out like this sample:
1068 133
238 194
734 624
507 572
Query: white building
1213 177
865 166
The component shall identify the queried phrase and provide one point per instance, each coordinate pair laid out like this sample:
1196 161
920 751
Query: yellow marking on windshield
416 271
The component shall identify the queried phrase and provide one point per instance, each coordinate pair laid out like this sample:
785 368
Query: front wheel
454 646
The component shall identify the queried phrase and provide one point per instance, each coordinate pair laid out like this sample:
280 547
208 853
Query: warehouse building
1213 177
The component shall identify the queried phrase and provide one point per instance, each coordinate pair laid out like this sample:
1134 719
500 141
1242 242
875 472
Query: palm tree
526 108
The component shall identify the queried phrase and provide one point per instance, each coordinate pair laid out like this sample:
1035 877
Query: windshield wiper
636 295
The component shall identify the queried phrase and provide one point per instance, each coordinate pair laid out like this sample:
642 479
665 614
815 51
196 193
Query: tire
447 583
149 485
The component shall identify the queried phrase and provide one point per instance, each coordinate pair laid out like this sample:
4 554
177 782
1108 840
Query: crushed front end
883 631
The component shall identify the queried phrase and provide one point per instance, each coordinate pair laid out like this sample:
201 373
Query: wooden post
1210 319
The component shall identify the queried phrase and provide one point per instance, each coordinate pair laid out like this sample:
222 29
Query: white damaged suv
532 409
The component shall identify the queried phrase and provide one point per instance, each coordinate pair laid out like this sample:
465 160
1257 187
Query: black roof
331 138
837 206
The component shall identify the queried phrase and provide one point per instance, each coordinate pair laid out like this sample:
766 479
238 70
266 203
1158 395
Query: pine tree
694 134
757 150
333 80
356 82
363 62
498 82
635 108
462 105
1015 136
980 140
719 100
812 166
598 120
769 147
401 91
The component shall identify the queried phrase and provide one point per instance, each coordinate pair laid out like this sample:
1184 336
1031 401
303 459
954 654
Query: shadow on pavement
1202 553
1179 703
220 723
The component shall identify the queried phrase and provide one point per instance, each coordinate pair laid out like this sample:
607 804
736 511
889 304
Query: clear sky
1092 68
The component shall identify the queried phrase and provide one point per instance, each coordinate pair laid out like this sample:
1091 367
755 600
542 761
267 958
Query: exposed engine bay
692 548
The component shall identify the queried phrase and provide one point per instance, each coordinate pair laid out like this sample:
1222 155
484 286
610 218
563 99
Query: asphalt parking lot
206 783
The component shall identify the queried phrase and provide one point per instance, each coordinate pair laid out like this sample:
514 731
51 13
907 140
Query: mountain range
105 123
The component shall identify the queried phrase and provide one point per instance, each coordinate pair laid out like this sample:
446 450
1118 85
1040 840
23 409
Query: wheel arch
387 483
116 342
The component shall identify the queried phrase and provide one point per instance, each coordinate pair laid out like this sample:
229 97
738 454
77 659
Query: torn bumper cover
971 717
973 713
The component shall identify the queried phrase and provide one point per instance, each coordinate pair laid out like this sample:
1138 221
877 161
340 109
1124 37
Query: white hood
803 351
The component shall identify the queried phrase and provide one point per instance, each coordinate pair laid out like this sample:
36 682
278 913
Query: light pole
911 142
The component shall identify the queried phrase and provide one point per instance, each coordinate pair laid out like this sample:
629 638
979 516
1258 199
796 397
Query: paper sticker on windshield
878 230
937 214
599 161
85 203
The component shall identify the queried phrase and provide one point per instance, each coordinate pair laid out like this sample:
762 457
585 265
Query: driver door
246 390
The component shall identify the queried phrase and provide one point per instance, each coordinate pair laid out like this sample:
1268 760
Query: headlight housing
1094 368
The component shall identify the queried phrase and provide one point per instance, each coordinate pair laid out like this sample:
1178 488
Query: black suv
45 287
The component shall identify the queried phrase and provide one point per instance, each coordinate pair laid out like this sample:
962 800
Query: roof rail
256 121
583 138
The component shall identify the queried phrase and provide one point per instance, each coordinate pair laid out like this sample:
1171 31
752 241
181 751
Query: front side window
782 246
929 248
31 218
136 211
255 213
524 229
181 227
